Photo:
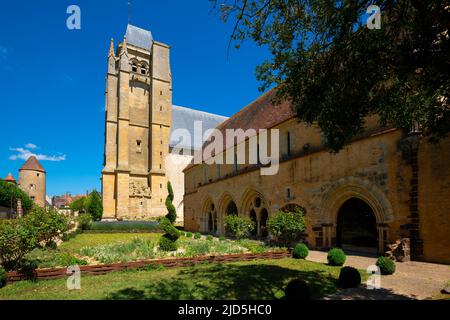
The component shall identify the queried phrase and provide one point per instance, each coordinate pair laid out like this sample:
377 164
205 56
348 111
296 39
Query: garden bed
55 273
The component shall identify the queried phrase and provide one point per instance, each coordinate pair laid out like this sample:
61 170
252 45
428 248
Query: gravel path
411 280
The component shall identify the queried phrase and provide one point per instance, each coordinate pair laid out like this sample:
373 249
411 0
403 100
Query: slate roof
139 37
185 118
32 164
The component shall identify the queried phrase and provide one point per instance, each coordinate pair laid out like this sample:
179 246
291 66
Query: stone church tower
137 131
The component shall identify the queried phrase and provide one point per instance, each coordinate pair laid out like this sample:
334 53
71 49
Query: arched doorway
254 219
263 225
231 209
357 227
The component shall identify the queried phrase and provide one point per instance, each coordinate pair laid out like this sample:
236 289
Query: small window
134 67
138 145
160 153
288 193
38 174
32 186
160 108
160 93
143 71
160 185
32 198
160 166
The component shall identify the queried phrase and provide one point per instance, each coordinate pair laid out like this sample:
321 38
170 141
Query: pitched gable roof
10 178
32 164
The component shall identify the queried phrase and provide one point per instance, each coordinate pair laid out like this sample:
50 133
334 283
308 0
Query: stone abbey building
387 184
139 123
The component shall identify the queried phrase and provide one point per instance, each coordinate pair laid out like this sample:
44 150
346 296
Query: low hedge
349 277
297 290
336 257
386 265
300 251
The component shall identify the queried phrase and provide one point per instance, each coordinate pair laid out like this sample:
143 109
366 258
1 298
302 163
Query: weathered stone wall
434 200
373 168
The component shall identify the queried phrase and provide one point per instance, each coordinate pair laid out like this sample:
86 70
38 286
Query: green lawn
264 279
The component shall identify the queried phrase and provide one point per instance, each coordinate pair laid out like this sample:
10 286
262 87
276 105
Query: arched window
231 209
134 67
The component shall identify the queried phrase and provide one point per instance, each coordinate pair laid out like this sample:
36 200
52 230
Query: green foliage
222 238
95 206
317 50
46 223
386 265
84 221
188 234
167 244
50 258
336 257
297 289
197 235
20 236
287 227
171 211
10 193
209 237
349 277
300 251
238 227
79 205
136 249
3 277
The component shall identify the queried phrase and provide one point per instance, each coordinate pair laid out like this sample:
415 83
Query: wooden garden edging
55 273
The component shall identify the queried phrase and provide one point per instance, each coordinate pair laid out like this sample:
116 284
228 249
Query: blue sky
52 79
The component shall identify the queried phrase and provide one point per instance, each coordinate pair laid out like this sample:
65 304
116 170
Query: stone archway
337 193
254 206
226 206
208 220
356 228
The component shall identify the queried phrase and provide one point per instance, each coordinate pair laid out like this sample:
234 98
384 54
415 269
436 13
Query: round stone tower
32 180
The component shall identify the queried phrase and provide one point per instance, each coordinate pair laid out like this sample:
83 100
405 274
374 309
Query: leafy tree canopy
336 70
10 193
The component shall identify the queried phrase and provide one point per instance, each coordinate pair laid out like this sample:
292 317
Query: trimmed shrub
209 237
85 221
2 277
287 227
386 265
166 244
47 224
336 257
297 290
238 227
28 268
171 210
222 238
189 234
300 251
170 231
197 235
349 277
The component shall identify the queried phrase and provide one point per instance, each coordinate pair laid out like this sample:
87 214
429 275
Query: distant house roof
10 178
185 118
139 37
32 164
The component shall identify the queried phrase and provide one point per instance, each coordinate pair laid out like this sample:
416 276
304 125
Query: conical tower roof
10 178
32 164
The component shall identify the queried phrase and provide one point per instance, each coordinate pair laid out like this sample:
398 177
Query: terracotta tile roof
10 178
260 114
32 164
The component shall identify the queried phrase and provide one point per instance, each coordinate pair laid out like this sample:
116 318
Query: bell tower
137 127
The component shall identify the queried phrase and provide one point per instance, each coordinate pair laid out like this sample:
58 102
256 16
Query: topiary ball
336 257
189 234
2 277
386 265
197 235
209 238
222 238
297 290
300 251
166 244
349 277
